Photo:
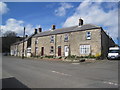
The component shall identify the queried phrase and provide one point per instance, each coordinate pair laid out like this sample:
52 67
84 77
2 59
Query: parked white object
29 52
114 53
12 52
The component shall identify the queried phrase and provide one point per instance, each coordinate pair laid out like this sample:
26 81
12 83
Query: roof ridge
93 25
56 29
67 29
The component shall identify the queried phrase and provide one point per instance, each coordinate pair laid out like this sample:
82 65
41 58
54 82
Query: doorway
42 51
66 50
59 50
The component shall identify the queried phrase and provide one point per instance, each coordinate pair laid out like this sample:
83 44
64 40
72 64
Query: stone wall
106 42
75 40
17 48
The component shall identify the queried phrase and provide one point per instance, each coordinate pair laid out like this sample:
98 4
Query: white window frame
36 49
85 49
66 37
28 50
36 41
52 39
52 49
88 35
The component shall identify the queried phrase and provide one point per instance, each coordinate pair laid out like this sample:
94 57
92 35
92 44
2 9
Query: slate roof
28 37
67 29
18 42
62 30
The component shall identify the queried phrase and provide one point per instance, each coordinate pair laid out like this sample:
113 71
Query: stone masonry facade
80 40
75 39
78 43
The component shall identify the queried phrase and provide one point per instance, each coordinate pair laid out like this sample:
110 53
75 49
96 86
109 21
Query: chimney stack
53 27
40 30
80 22
26 36
35 32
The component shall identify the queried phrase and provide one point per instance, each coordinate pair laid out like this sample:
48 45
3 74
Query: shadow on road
12 82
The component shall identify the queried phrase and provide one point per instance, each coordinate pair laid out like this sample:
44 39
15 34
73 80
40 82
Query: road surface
29 73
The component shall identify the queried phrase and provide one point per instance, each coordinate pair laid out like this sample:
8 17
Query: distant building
17 48
79 40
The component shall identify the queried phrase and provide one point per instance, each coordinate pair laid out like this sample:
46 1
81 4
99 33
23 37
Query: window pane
84 49
51 49
66 37
52 39
88 35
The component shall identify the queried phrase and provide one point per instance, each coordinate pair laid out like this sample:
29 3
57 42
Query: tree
8 39
10 34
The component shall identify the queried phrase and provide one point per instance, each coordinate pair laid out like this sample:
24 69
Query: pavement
30 73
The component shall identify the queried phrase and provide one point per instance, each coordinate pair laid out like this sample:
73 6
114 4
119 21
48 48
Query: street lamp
23 44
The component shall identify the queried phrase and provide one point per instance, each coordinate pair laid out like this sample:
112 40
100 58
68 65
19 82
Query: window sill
88 39
66 41
51 52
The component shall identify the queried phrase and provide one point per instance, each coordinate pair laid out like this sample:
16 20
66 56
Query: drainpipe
55 44
69 44
53 28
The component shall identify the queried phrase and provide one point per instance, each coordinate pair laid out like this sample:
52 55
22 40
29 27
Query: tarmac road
28 73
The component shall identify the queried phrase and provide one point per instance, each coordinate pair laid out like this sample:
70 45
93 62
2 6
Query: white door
66 50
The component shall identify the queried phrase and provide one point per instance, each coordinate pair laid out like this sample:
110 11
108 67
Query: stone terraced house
17 48
79 40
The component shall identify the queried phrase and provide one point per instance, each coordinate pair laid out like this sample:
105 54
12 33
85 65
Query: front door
66 50
42 51
59 50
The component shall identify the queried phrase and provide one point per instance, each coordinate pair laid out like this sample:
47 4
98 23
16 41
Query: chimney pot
80 22
53 27
40 29
26 36
35 31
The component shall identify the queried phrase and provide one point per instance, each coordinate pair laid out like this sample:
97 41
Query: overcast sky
16 15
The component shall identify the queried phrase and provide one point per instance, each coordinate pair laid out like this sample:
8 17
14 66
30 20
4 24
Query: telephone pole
23 44
118 40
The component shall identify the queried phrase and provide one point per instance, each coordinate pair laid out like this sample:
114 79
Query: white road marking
76 63
111 83
61 73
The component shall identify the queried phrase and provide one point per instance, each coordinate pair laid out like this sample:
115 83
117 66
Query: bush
51 56
89 56
71 57
34 56
60 58
41 57
99 58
